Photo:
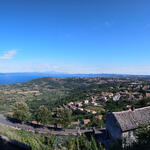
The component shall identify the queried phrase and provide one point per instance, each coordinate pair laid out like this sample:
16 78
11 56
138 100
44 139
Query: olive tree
63 116
42 115
21 111
143 134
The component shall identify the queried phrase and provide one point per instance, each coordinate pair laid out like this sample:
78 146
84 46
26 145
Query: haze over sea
12 78
20 78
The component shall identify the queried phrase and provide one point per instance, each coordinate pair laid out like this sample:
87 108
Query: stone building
122 125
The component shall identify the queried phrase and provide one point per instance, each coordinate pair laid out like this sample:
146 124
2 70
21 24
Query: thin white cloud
8 55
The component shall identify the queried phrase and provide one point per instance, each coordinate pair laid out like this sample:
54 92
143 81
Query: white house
78 104
94 103
116 97
104 99
86 101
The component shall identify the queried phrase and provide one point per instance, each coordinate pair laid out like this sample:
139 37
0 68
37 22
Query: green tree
77 144
143 134
21 111
71 144
63 116
82 143
51 141
93 144
42 115
100 147
95 122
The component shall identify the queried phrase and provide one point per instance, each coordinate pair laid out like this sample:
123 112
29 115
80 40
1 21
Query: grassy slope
36 141
29 138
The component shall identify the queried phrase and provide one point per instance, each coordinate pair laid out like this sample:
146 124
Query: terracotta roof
129 120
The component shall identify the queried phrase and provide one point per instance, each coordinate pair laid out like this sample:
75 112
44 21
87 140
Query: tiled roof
128 120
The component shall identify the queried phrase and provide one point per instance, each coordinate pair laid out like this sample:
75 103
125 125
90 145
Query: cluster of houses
86 121
79 106
131 92
107 96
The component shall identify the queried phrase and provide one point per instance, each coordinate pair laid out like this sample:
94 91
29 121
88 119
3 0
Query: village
92 106
96 101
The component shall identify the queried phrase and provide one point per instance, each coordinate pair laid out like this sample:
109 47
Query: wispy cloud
8 55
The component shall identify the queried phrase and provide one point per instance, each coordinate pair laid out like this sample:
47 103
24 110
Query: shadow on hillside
12 145
13 120
35 126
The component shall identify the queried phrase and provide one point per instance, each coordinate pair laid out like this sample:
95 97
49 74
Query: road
7 122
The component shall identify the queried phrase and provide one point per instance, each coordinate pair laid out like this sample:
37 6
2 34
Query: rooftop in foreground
132 119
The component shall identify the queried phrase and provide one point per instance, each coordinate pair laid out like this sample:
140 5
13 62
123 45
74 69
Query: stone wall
112 127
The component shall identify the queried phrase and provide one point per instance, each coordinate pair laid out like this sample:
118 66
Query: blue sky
75 36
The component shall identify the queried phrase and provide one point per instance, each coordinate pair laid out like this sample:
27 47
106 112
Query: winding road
5 121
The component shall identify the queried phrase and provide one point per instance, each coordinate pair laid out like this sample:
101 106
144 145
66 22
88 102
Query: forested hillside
49 91
58 91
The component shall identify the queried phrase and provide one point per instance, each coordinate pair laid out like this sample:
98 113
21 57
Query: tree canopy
42 115
21 111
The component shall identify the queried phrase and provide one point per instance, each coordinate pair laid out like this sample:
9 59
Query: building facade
122 125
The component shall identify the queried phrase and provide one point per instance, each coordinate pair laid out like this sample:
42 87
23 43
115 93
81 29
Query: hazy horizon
65 73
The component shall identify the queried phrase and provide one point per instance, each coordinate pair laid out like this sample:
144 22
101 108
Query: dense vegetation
44 91
29 138
51 142
46 101
54 91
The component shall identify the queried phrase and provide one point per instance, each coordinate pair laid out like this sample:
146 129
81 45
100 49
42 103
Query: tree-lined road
7 122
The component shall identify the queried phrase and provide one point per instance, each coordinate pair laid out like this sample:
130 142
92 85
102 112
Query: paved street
7 122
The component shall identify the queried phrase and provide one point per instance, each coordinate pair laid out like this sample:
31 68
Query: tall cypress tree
93 144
